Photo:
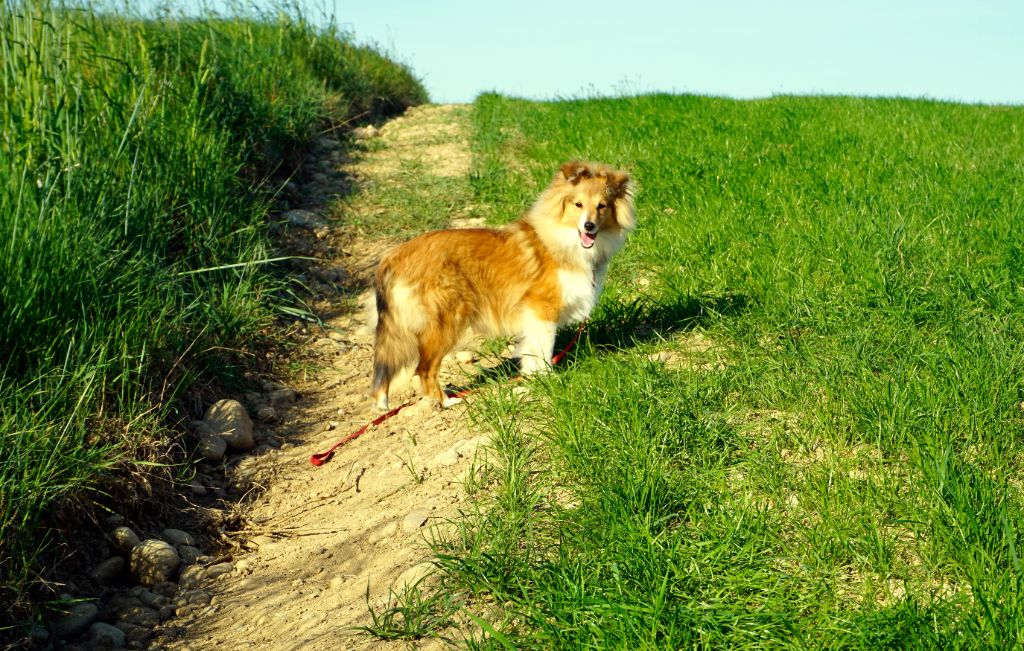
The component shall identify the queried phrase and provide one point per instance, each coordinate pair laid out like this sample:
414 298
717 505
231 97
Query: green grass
832 457
136 160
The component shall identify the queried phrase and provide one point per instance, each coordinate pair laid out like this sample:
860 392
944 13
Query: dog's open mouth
587 239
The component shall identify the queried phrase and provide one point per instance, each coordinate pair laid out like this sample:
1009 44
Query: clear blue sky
963 50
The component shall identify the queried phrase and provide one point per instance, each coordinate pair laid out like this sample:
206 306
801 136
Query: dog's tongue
587 239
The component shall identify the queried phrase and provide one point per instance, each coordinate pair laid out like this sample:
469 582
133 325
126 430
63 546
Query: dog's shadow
619 325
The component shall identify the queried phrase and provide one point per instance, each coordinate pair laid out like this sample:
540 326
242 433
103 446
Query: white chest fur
580 291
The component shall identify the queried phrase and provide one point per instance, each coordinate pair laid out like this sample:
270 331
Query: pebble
660 357
151 599
141 616
304 218
199 598
197 488
244 566
192 576
165 612
154 561
336 336
219 569
282 396
124 538
266 413
365 133
465 357
448 457
414 574
105 636
177 537
212 447
77 621
107 572
229 419
415 519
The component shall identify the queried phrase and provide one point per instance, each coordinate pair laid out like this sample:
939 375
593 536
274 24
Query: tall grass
133 153
832 456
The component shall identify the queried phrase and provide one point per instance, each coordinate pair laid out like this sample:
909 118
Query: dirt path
320 539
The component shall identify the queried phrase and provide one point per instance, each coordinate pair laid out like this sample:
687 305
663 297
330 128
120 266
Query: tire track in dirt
319 540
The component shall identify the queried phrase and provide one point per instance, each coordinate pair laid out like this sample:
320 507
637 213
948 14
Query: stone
414 575
107 572
244 566
283 396
465 357
124 538
76 621
192 576
415 519
334 335
165 612
302 218
151 599
365 133
197 488
229 419
266 413
154 561
189 554
219 569
105 636
660 357
177 537
212 447
141 616
447 457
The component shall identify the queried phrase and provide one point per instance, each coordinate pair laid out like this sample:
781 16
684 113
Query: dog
526 279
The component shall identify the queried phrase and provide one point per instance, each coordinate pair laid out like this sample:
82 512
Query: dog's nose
589 226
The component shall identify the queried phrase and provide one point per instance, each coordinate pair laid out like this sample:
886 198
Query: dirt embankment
318 541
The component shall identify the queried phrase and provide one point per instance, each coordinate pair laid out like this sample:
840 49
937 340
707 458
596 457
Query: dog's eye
579 204
601 206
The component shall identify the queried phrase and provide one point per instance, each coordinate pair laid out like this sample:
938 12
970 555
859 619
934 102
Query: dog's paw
450 401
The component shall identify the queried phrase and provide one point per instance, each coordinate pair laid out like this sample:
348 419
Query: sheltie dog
540 272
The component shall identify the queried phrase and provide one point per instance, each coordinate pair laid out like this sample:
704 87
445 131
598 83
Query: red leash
325 456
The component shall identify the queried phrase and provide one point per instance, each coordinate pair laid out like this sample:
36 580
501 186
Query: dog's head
595 198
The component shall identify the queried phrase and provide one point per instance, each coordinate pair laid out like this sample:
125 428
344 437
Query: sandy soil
321 541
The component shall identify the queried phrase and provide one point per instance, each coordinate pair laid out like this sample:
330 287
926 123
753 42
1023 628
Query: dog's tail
396 315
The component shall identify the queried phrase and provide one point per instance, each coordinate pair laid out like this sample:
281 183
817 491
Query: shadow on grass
624 324
621 325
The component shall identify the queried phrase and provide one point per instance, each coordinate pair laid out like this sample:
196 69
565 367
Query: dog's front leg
536 344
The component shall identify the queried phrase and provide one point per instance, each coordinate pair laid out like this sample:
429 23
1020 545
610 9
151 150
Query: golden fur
526 279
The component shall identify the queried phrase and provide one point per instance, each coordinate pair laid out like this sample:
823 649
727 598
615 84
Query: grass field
827 453
136 160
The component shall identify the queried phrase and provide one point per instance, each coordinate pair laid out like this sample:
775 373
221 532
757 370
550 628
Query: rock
124 538
107 572
199 598
365 133
448 457
189 554
165 612
244 566
165 589
151 599
660 357
192 576
334 335
283 396
177 537
154 561
197 488
141 616
416 519
105 636
77 621
39 634
302 218
230 420
266 413
465 357
212 447
219 569
414 575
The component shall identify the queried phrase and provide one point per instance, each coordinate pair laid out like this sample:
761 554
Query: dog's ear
574 171
619 183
